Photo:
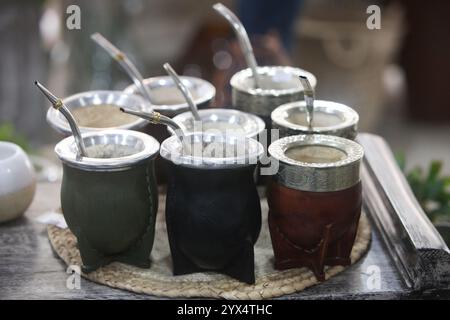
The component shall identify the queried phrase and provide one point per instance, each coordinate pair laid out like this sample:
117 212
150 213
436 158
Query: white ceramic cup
17 181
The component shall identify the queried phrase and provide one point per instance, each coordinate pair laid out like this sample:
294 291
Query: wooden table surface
29 269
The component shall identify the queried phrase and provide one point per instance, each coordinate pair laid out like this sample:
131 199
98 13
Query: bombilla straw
61 107
157 118
125 63
243 39
309 99
185 91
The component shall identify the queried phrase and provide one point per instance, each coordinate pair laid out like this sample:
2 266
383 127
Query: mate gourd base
112 214
213 220
313 229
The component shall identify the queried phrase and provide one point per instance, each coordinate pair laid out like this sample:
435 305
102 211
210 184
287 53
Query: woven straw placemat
159 281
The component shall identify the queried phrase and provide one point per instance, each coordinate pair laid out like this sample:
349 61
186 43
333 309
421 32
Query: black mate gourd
213 211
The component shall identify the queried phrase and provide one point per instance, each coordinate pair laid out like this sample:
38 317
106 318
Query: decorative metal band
58 104
317 177
156 117
262 101
262 105
322 180
120 56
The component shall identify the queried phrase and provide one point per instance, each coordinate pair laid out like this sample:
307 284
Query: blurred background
395 77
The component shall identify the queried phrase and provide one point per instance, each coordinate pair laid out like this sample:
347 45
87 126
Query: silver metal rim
353 150
171 151
59 123
349 116
317 177
253 125
237 80
149 146
205 91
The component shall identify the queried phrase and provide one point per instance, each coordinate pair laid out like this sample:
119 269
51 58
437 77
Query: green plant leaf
434 170
432 190
8 133
401 160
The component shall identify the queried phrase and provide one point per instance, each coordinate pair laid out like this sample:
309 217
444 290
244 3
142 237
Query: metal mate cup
99 97
109 198
278 85
314 201
221 121
213 211
169 101
330 118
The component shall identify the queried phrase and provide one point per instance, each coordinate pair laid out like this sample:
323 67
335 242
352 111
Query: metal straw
126 64
243 39
59 105
157 118
185 91
309 99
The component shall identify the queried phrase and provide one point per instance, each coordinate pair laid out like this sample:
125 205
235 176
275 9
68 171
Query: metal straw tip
96 36
50 96
135 113
225 12
99 38
306 85
171 71
129 111
218 6
40 87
